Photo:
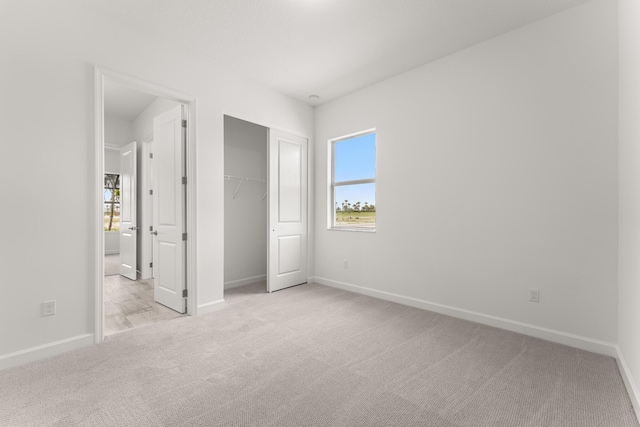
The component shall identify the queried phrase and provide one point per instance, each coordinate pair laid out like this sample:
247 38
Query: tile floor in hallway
129 303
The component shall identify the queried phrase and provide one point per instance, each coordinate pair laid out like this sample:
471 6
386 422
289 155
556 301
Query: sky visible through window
355 158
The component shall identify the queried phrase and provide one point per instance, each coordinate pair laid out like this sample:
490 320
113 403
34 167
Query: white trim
352 135
44 351
191 247
192 207
572 340
146 255
331 189
211 307
98 247
356 229
354 181
246 281
263 123
627 378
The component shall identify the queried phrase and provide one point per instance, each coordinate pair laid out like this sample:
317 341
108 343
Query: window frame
333 184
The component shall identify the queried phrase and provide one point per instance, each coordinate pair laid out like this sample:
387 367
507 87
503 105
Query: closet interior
245 202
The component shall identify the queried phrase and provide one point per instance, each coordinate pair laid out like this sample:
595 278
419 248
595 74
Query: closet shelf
243 179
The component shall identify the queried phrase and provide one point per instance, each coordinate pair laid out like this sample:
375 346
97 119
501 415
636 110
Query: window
352 191
111 202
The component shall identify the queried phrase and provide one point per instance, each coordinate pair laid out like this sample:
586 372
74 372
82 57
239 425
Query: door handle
155 233
134 228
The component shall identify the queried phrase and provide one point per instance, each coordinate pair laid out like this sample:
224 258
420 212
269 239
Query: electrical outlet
48 308
346 264
534 295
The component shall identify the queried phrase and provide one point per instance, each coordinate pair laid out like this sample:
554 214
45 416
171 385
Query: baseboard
630 384
44 351
247 281
210 307
583 343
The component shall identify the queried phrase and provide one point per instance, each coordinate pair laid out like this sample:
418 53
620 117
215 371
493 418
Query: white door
287 264
169 272
128 226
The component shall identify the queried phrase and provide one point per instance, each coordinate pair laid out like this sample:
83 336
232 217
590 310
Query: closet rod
244 178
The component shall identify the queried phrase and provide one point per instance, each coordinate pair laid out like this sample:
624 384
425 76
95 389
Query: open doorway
129 291
142 253
245 204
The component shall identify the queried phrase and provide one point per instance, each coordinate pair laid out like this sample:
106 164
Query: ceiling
326 48
123 103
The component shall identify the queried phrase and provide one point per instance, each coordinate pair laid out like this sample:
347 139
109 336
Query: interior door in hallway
128 225
169 135
287 259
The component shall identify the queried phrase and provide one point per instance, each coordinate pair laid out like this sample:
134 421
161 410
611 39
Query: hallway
128 304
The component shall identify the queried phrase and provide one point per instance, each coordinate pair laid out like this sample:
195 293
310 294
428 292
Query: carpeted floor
317 356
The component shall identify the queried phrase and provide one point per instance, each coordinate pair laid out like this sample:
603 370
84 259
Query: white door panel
128 227
289 253
168 270
287 264
169 209
289 181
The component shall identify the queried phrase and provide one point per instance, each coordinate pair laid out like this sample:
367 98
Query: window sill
356 229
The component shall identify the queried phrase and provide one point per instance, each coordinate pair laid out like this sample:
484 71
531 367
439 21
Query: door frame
145 249
100 74
310 182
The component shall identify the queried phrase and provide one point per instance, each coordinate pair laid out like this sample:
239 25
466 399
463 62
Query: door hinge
150 265
184 123
151 192
184 293
184 236
151 155
184 180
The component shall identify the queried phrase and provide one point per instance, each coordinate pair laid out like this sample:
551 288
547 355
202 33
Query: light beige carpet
317 356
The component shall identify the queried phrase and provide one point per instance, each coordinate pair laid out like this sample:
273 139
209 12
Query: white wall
111 160
111 242
49 49
629 193
496 173
117 132
245 216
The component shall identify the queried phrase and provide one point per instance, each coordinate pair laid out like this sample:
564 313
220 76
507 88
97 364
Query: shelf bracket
238 188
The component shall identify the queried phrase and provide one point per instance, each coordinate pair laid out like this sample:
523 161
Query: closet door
287 258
